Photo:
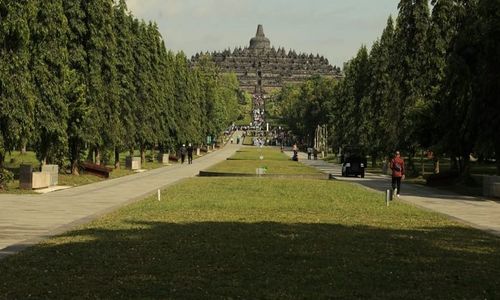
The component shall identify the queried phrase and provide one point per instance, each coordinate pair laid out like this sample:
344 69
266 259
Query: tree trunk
465 170
131 152
422 163
143 155
97 156
74 168
2 159
90 156
23 148
454 164
75 151
437 168
117 159
497 158
411 162
374 160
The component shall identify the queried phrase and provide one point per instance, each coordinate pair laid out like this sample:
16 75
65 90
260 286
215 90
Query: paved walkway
477 212
27 219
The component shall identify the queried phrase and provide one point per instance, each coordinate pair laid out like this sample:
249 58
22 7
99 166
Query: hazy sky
333 28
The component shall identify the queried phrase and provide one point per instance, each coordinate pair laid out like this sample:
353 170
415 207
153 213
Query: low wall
53 170
133 163
164 158
40 180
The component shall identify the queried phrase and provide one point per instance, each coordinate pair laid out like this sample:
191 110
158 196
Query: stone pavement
477 212
27 219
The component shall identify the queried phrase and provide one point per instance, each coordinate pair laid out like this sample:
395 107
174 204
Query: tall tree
347 117
442 31
17 100
488 78
112 129
49 65
145 88
101 87
412 60
125 77
79 110
458 107
168 111
378 107
287 102
185 100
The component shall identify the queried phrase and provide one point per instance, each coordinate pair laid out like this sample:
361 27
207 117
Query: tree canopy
430 81
88 78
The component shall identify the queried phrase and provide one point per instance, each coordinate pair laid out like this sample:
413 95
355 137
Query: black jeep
353 162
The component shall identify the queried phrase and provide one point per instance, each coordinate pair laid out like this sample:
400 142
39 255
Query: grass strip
261 239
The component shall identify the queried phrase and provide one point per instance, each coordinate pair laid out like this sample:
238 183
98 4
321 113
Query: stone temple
262 69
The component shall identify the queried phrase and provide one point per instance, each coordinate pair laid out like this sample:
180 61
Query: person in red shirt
398 172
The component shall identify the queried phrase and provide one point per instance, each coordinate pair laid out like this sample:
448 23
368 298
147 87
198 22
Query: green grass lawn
248 159
248 141
261 238
15 159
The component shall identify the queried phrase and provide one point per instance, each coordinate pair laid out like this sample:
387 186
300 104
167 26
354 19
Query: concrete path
477 212
27 219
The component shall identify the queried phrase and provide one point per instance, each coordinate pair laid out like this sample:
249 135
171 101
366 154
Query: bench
97 170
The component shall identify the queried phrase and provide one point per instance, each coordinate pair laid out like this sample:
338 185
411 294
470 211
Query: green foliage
378 108
303 107
6 176
49 66
82 76
245 108
17 101
488 80
220 97
351 93
429 82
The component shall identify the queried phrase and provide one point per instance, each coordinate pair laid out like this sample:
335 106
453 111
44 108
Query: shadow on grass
212 260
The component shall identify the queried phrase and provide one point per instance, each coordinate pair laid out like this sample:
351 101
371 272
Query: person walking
190 153
397 166
183 151
295 156
309 152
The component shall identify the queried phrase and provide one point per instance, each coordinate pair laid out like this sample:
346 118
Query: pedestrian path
27 219
477 212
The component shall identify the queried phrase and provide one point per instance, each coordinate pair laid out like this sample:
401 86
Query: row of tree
85 74
431 81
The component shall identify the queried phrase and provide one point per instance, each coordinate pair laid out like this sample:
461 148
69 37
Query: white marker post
159 195
387 197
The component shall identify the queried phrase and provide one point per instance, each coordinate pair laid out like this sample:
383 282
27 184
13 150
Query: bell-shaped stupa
260 42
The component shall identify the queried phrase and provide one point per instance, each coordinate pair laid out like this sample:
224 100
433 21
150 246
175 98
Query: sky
335 29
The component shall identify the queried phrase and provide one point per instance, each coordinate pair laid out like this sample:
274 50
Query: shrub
6 176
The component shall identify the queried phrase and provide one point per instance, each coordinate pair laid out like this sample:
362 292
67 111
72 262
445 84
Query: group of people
312 152
186 151
238 139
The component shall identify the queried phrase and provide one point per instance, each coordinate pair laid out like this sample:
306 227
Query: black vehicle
353 162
